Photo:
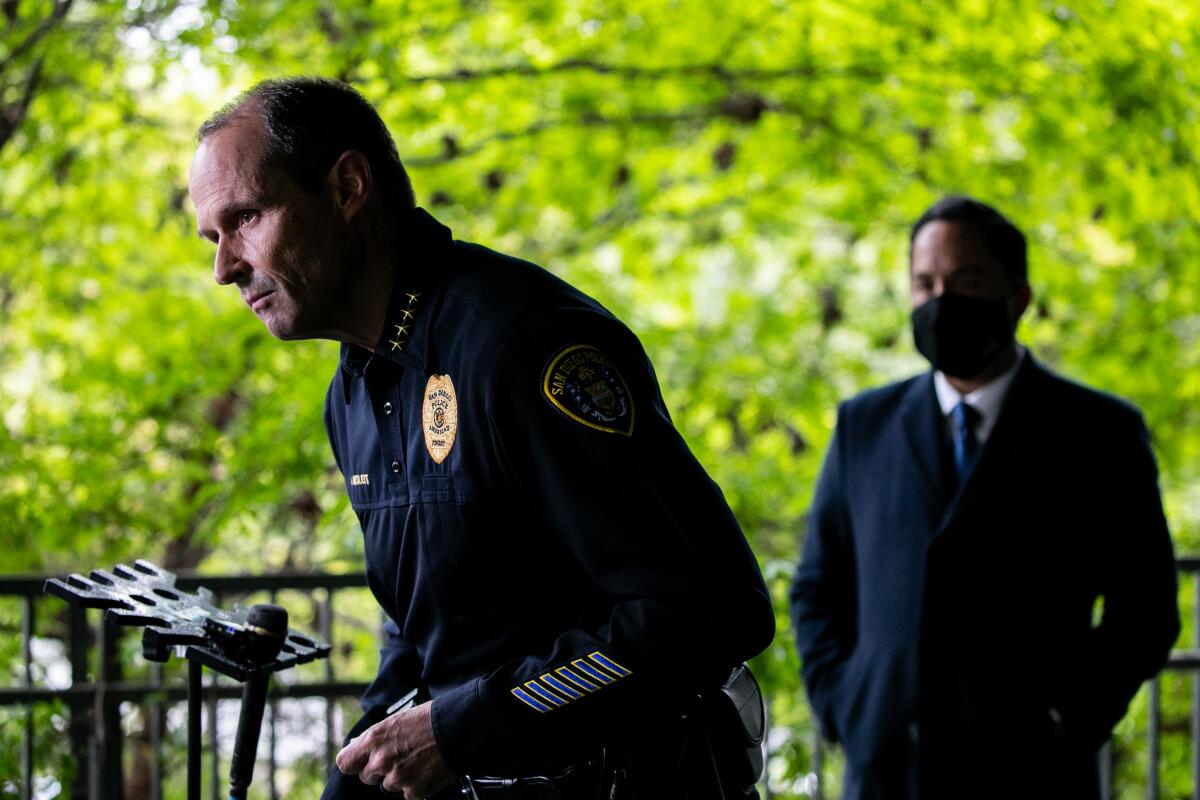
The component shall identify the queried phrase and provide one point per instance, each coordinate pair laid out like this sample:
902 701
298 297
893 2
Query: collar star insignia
404 325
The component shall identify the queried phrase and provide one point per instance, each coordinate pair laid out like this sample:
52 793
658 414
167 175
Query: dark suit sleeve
1137 572
823 589
615 497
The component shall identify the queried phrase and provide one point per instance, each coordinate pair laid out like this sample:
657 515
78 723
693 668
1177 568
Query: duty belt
588 780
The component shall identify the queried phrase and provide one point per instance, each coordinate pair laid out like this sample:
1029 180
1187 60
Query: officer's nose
228 266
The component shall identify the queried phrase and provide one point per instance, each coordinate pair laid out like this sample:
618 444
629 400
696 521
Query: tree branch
453 151
11 117
718 71
61 7
914 80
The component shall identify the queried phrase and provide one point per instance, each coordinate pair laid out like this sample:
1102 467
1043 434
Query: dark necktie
966 446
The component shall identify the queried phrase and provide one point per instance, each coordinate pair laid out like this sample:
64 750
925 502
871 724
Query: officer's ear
350 180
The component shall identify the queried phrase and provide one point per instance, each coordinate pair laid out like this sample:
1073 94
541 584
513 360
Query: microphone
265 629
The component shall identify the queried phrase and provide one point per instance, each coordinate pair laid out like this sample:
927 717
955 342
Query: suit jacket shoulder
1075 401
867 413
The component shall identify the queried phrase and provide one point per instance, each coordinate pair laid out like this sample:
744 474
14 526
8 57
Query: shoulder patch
583 384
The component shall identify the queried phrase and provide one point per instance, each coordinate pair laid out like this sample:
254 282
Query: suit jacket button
396 466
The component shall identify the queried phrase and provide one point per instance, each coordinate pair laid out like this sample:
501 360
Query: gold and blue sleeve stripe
587 669
524 697
565 684
577 679
609 664
555 683
545 694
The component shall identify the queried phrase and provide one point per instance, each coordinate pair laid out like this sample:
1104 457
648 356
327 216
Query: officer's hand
400 754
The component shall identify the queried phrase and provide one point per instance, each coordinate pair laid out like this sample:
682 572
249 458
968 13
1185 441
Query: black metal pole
245 743
195 687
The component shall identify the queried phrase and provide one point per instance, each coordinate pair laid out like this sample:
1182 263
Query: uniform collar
405 338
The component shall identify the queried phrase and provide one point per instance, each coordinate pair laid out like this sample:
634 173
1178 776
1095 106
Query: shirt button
396 466
387 407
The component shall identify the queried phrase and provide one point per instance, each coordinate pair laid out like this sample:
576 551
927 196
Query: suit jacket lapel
922 421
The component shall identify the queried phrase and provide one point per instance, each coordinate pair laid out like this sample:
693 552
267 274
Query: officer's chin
283 329
293 334
288 327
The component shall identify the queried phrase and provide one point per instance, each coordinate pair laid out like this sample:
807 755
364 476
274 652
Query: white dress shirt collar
987 399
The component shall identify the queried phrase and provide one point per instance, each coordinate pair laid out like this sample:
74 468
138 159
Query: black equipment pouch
736 721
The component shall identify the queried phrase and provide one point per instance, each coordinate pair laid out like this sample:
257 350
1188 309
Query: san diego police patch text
582 383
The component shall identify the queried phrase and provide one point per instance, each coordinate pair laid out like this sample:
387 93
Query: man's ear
350 180
1019 302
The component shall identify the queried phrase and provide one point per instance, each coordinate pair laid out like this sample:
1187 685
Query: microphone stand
228 642
245 744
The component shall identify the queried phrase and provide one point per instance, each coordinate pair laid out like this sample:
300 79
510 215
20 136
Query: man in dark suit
965 524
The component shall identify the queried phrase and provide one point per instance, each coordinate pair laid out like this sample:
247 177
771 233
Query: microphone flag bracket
244 644
143 594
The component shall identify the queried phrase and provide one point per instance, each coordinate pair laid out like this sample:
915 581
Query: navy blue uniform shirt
558 569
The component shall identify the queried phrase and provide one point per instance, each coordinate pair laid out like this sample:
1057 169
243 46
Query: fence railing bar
27 629
194 692
325 622
79 725
108 714
274 706
156 726
174 692
818 764
1195 732
219 584
214 743
1152 733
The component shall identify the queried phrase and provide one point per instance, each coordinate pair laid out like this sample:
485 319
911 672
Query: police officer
562 578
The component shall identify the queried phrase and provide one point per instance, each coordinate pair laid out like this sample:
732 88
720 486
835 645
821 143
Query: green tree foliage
735 181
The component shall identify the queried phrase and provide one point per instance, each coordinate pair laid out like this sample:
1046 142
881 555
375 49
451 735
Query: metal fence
93 706
1182 660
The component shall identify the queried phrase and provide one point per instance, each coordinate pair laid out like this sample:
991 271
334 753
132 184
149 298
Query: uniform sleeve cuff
464 725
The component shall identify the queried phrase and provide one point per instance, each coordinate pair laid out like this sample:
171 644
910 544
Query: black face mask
962 336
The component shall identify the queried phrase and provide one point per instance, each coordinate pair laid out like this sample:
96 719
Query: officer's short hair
311 121
1001 238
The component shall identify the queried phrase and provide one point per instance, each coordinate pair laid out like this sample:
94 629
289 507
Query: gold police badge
439 417
582 383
